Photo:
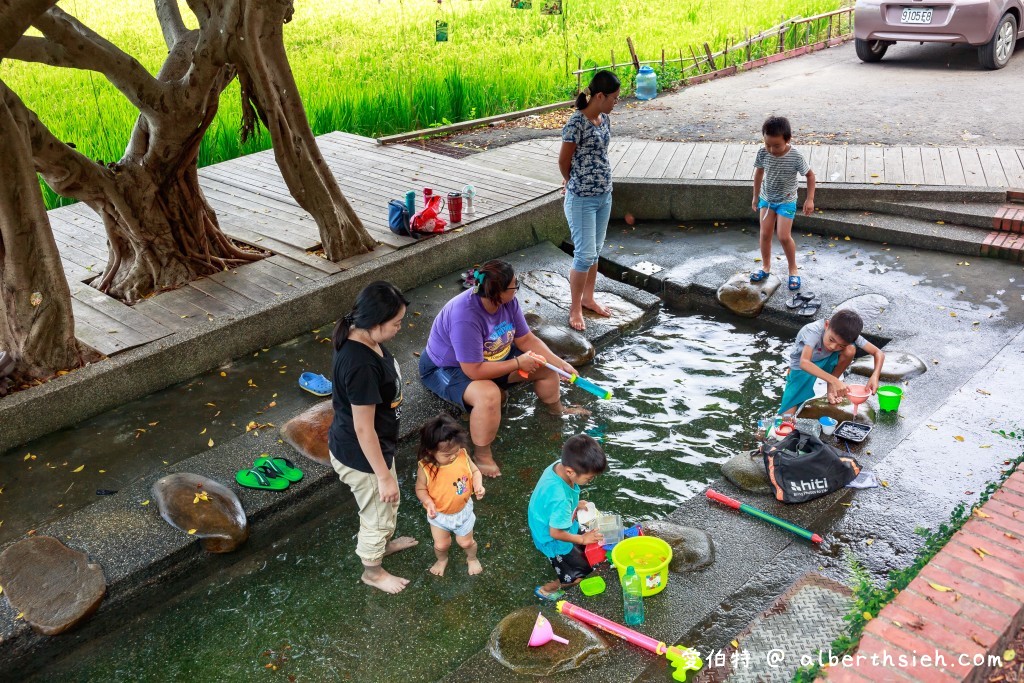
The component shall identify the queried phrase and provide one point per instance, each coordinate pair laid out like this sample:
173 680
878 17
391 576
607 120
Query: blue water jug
646 83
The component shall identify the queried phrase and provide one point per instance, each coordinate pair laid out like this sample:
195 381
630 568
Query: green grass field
374 68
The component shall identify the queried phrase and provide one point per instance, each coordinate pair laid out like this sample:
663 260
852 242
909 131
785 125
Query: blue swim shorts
784 209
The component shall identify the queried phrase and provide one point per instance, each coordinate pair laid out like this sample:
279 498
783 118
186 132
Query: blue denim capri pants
588 225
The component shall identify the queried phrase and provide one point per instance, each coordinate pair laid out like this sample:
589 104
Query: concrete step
898 230
970 214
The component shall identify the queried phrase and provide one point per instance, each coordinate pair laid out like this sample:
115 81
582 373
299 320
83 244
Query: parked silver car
993 26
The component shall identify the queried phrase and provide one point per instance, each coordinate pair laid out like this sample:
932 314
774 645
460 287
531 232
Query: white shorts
460 523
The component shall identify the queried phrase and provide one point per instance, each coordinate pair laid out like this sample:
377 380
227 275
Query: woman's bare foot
592 305
437 569
381 579
398 544
484 460
558 409
576 321
475 567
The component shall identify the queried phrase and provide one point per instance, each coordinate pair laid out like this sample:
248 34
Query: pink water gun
683 659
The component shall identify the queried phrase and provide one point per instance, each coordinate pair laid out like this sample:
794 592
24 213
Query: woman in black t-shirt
364 435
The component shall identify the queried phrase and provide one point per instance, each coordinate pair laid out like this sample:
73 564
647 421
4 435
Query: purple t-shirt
464 332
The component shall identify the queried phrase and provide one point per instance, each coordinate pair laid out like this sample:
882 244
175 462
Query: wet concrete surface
915 96
926 469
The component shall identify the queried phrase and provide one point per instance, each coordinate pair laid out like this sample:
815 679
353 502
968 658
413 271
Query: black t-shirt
362 378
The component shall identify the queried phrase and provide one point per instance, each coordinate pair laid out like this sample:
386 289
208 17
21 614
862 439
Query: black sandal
801 299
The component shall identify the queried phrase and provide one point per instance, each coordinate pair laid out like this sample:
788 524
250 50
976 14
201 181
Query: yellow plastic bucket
649 556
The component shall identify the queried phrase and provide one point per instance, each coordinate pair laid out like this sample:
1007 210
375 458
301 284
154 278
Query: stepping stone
218 519
692 548
746 298
307 432
747 472
898 366
509 640
820 407
567 343
555 288
868 306
54 587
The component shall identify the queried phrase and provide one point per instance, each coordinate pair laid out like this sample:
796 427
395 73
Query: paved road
918 95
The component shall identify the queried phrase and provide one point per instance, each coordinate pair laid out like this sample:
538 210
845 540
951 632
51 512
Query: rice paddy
376 68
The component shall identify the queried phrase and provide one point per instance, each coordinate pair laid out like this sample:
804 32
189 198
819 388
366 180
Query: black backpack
801 468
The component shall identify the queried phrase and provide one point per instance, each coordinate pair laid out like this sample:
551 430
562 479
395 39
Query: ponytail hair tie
349 319
479 277
586 94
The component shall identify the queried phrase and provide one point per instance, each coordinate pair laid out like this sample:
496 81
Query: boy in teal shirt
552 513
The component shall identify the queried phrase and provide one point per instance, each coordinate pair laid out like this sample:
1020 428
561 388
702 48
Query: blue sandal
794 283
318 385
548 597
759 276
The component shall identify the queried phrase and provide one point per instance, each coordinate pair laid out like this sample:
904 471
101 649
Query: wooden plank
616 149
913 168
696 161
646 159
817 159
661 162
679 159
933 174
297 267
874 165
240 231
730 159
102 332
218 299
969 161
503 162
836 170
124 316
709 169
745 166
248 287
629 157
187 303
83 219
1013 167
993 168
285 277
159 314
952 169
286 228
85 241
855 156
893 159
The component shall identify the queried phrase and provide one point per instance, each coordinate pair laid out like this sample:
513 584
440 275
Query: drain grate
804 620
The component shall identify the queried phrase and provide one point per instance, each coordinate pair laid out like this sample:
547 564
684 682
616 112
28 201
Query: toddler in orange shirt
446 480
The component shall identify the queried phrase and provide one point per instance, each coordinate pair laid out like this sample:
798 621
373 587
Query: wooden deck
973 166
253 206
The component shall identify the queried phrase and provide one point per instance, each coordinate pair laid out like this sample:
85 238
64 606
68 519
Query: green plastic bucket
889 398
649 556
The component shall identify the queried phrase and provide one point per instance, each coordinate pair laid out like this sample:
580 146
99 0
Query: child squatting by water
446 480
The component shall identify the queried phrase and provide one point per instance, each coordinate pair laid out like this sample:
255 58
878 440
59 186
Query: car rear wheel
996 53
871 50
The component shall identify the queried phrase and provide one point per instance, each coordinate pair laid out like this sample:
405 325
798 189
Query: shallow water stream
686 390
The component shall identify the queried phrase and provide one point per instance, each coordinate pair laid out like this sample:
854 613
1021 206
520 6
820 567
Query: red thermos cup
455 206
427 192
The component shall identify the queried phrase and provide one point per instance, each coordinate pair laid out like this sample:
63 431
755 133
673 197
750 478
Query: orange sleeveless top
451 485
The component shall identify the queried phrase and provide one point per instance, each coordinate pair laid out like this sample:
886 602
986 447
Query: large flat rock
898 366
307 432
53 587
509 639
746 298
203 508
555 288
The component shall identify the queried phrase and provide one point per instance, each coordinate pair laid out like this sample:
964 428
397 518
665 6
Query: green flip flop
283 467
261 477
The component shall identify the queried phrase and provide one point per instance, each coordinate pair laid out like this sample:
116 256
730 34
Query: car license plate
916 15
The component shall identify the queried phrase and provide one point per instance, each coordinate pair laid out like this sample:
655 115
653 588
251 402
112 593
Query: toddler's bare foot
437 569
592 305
383 580
398 544
475 567
576 321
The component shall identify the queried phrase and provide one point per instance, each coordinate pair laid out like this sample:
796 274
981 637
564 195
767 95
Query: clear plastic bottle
646 83
632 598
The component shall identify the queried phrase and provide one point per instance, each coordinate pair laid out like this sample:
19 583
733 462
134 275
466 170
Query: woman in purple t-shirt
478 344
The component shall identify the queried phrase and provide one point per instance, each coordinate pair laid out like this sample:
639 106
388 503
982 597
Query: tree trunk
37 326
257 50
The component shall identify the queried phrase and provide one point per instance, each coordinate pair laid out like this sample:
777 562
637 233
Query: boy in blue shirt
823 350
552 513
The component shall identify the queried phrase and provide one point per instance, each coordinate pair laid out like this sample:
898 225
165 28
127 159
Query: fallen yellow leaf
79 468
153 424
869 541
735 643
20 615
1009 655
202 432
210 443
931 427
940 588
959 438
212 405
952 314
885 483
981 552
191 531
981 514
145 502
223 374
867 616
1009 536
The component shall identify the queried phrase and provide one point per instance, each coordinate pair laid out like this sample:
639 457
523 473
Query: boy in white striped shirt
778 166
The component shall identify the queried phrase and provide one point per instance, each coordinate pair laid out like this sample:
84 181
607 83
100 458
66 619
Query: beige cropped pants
377 520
